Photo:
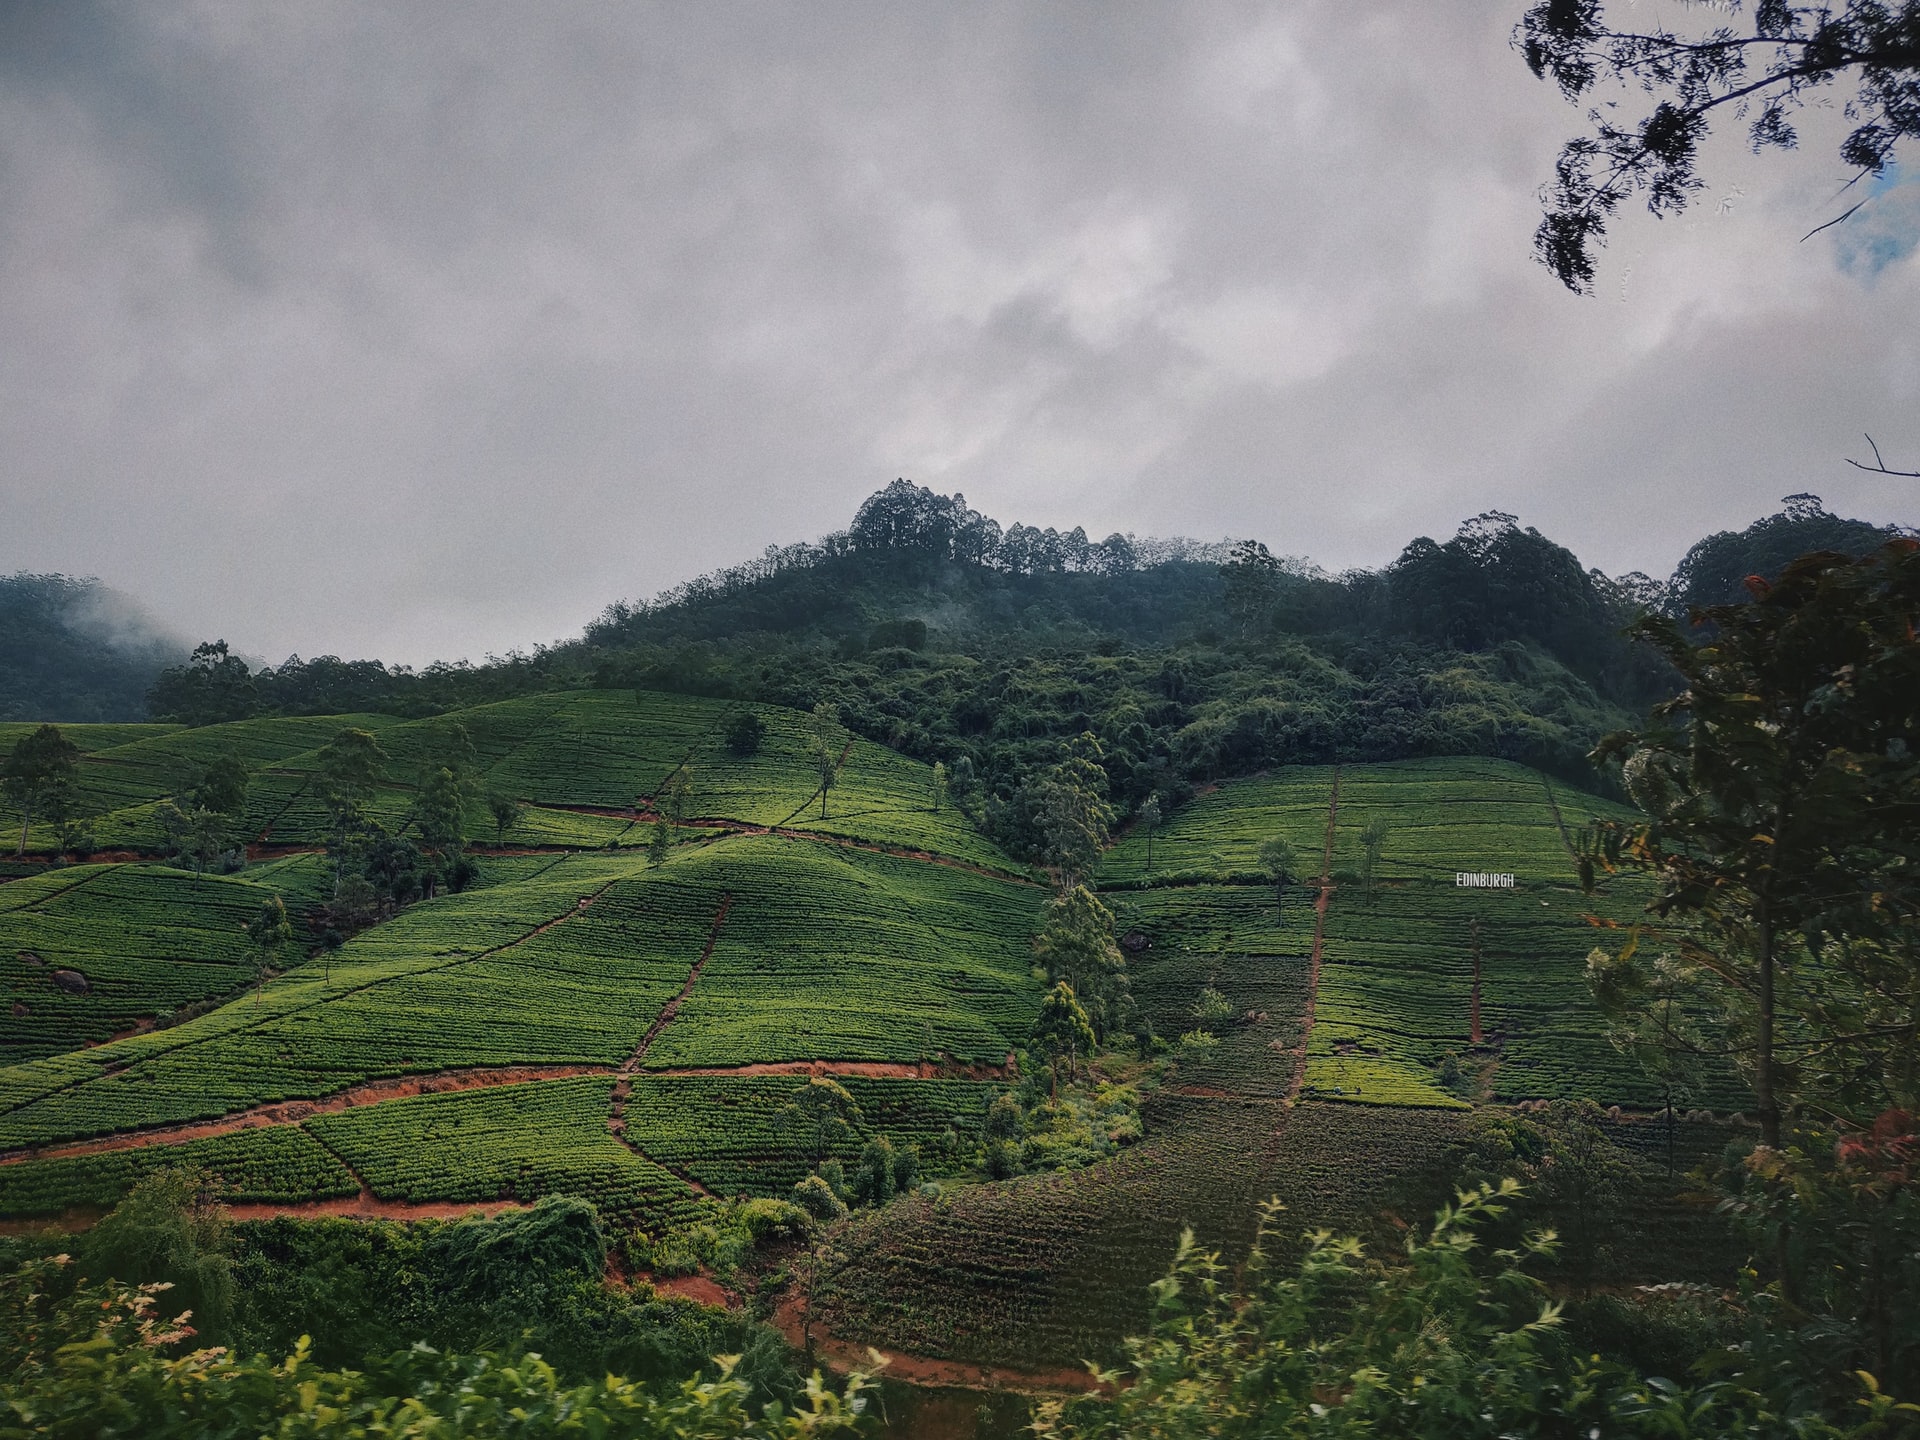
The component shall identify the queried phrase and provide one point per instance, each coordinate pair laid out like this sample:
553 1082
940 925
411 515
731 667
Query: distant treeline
935 631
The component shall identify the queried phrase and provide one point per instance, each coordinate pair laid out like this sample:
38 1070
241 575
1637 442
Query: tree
440 812
268 931
830 747
1654 1014
1072 811
38 777
195 837
1781 792
352 765
200 824
1062 1031
743 733
214 686
1373 840
1211 1010
222 786
1572 1177
660 843
823 1114
1149 814
448 746
505 811
1777 57
937 785
1278 859
1076 947
170 1230
676 795
1252 577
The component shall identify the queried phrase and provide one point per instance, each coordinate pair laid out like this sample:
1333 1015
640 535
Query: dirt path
292 1112
1319 942
327 998
866 1069
623 1087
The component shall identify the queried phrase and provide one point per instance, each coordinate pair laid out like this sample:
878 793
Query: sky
423 332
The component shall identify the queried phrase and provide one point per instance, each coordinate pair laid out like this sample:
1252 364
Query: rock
71 981
1133 942
29 958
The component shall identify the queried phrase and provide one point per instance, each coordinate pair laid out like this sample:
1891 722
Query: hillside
582 1019
620 939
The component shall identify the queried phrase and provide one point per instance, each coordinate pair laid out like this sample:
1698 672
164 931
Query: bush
99 1362
743 733
816 1197
169 1231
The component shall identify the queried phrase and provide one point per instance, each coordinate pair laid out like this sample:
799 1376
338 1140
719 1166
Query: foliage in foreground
1455 1341
100 1363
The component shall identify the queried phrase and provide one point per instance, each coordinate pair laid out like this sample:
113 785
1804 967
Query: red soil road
1319 940
366 1207
292 1112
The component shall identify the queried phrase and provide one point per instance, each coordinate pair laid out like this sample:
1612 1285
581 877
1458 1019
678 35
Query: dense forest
75 650
935 631
939 633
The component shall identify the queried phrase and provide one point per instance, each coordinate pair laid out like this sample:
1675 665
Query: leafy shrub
99 1361
743 733
816 1197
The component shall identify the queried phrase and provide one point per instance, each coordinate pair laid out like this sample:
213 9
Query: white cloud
346 328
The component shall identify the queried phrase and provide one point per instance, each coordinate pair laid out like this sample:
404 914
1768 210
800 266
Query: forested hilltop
75 650
989 650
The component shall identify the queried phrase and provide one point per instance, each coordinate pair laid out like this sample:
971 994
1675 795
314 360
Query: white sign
1482 880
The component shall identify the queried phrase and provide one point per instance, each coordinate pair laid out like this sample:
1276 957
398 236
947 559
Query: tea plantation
586 1018
564 756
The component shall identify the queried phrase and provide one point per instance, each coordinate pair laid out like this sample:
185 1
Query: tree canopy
1760 62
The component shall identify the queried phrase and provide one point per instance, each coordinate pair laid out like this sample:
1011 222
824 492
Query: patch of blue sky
1883 231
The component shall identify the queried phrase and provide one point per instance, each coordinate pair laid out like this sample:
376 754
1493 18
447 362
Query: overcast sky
424 331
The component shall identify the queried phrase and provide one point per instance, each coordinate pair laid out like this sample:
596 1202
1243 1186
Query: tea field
885 941
732 1136
93 949
280 1163
571 965
513 1142
566 756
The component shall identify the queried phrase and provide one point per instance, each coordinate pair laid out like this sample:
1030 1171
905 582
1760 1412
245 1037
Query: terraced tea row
736 1136
610 751
571 966
93 949
513 1142
280 1164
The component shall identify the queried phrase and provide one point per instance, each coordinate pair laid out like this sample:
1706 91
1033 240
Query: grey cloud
419 332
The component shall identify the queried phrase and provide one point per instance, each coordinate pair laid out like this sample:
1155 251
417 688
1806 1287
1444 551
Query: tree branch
1879 466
